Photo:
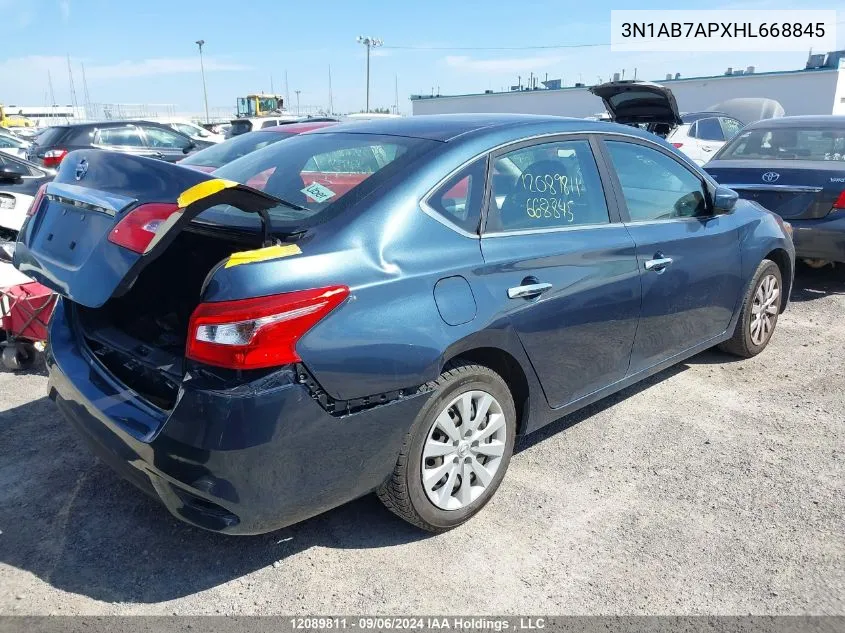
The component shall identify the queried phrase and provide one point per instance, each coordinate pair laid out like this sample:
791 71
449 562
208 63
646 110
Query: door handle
707 149
658 265
528 291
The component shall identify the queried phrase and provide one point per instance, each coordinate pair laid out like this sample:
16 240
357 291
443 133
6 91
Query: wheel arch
511 364
780 257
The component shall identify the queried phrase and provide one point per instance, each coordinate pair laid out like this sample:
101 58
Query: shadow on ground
67 519
811 284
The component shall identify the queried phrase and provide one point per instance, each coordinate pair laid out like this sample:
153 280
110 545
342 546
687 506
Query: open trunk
140 336
113 235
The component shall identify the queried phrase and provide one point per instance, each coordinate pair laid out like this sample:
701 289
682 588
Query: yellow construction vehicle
13 120
259 105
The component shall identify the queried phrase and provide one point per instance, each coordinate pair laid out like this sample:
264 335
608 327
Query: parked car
641 104
195 132
794 166
140 138
12 145
401 300
211 158
19 181
243 125
701 134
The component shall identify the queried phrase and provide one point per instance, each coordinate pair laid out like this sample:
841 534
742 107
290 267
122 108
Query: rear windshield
234 148
240 127
787 143
323 174
50 136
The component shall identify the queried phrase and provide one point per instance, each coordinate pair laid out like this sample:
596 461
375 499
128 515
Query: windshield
234 148
321 173
787 143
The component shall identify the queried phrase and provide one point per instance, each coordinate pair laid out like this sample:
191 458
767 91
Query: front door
166 144
563 264
689 259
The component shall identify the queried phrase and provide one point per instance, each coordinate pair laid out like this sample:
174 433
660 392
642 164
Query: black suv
141 138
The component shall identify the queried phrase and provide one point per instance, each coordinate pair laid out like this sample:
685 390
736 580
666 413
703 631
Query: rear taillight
840 201
138 229
258 332
36 201
678 145
53 157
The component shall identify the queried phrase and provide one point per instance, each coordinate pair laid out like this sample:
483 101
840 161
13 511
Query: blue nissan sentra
382 306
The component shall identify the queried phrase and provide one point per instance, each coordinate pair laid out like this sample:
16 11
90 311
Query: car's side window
546 186
459 199
165 139
730 127
693 130
124 136
655 186
710 130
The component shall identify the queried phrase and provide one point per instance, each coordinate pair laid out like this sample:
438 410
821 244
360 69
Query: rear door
126 139
107 215
709 137
562 265
689 260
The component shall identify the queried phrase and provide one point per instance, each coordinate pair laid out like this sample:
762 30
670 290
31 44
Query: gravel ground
716 487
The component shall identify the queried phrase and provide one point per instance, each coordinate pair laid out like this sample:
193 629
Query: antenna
331 103
85 89
72 88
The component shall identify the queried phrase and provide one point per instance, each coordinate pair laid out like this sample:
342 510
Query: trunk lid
631 102
65 243
797 190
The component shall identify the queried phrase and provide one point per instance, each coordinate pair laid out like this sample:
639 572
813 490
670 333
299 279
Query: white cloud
35 67
504 65
64 9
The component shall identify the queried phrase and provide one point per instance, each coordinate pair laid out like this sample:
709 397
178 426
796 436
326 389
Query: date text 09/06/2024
457 623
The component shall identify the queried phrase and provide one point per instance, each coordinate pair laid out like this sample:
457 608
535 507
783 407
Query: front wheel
759 314
457 451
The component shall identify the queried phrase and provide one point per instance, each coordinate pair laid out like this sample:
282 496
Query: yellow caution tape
262 254
203 190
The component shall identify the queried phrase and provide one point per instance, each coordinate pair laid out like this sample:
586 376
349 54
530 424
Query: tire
746 340
440 509
19 356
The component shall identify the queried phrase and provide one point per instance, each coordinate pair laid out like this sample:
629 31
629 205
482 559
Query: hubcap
463 450
764 310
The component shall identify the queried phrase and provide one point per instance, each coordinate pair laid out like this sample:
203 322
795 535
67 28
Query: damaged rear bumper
244 460
820 239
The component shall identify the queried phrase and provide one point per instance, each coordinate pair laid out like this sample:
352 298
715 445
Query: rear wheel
759 314
19 355
457 452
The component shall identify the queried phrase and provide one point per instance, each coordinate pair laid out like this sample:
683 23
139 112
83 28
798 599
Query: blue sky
144 52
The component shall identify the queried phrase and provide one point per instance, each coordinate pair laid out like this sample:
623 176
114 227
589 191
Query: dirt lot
716 487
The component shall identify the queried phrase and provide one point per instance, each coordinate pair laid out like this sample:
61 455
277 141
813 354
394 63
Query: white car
702 134
193 131
12 145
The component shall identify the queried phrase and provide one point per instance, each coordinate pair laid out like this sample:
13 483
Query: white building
809 91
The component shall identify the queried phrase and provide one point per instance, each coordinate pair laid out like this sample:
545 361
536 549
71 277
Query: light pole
369 42
297 101
204 91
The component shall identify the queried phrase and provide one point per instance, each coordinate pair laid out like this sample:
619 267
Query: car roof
811 120
691 117
298 128
446 127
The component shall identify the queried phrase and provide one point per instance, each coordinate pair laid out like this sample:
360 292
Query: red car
211 158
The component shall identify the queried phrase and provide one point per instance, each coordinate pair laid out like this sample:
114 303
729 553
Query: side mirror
190 147
12 173
724 200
